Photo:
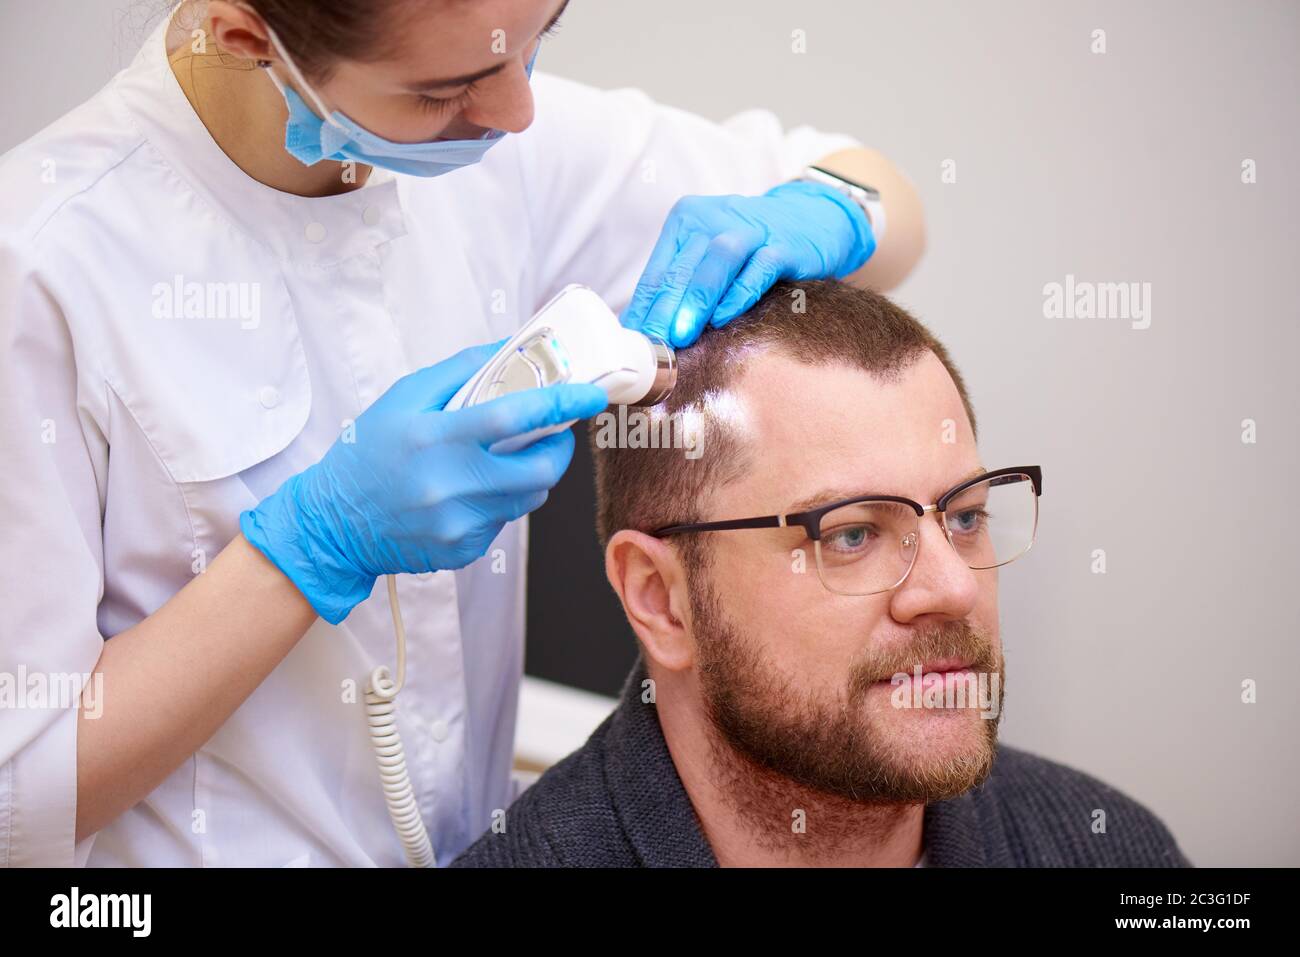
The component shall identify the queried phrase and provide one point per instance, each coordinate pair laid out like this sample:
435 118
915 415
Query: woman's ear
240 32
650 581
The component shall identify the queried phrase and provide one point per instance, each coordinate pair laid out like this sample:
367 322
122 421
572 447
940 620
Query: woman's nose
506 102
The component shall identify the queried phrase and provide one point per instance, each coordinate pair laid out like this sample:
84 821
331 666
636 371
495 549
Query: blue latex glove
717 255
417 490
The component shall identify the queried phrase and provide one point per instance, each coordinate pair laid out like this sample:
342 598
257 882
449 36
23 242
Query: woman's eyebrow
465 80
424 85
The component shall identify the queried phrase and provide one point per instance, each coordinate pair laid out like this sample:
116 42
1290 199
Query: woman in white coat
235 292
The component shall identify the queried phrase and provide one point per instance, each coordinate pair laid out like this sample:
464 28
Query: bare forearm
904 240
172 680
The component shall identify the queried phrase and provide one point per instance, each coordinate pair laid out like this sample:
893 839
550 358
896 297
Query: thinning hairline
825 496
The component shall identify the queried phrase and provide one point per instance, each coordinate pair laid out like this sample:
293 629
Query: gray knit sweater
618 802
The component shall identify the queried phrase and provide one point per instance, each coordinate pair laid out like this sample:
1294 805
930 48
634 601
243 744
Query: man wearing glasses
813 585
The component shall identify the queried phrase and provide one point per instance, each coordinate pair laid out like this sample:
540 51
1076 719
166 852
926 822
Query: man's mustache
953 640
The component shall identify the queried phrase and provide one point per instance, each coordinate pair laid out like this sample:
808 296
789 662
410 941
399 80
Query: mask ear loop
298 78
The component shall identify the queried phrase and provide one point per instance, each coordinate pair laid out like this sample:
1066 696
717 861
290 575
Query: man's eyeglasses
868 544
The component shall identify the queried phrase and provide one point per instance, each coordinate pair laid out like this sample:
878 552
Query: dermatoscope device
575 337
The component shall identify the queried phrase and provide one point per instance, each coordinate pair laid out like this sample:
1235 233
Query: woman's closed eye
445 104
438 104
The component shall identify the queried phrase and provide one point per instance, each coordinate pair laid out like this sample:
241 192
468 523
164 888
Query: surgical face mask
324 135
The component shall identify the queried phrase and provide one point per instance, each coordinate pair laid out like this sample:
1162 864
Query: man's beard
834 742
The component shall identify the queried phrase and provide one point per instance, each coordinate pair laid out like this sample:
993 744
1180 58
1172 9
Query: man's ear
650 581
240 32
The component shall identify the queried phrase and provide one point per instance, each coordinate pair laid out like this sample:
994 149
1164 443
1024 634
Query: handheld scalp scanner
573 338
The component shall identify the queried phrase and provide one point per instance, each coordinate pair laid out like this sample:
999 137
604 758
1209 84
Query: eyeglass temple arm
767 521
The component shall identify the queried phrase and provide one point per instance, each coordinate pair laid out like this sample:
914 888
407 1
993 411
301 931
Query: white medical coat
176 339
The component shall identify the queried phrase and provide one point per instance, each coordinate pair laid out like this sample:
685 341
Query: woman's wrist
860 240
279 529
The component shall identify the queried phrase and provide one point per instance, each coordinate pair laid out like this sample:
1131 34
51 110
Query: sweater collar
659 820
648 796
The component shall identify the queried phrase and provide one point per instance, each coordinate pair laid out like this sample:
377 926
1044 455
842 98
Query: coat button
269 396
438 730
371 216
315 232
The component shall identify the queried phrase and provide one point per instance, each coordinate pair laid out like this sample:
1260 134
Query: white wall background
1119 167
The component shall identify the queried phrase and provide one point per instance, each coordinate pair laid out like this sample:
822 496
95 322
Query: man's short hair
816 322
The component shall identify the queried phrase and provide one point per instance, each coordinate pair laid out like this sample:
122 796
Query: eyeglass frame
810 521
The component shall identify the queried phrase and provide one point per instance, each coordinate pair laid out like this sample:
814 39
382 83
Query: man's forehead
807 429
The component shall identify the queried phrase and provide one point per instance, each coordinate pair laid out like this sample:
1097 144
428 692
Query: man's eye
849 538
970 520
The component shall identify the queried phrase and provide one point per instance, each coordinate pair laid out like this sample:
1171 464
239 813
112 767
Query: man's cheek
985 616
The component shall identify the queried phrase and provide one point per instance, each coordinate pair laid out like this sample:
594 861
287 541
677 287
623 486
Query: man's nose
940 583
506 103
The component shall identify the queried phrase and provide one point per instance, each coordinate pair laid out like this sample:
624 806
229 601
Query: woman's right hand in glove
416 489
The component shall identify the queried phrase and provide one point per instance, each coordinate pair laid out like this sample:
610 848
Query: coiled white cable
381 715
